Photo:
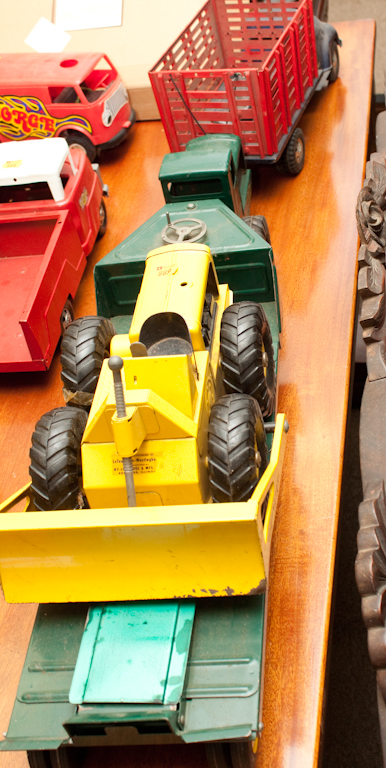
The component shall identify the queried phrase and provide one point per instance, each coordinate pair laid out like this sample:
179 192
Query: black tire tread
84 345
103 226
244 331
334 74
290 163
218 755
79 138
242 754
64 757
235 427
39 758
54 456
259 224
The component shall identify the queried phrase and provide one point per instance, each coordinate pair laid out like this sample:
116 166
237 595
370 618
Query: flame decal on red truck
27 118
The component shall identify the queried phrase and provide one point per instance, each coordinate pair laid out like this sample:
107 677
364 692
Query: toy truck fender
325 34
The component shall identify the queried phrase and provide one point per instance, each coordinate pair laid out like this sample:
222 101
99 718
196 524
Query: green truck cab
213 166
207 192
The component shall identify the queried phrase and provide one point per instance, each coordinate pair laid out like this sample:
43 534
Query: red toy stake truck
51 211
247 67
79 96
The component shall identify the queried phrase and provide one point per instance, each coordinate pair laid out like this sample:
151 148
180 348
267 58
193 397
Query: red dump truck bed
243 68
41 264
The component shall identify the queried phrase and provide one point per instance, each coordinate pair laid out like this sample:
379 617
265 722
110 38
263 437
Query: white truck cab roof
26 162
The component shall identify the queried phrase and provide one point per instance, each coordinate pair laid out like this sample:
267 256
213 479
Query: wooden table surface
313 231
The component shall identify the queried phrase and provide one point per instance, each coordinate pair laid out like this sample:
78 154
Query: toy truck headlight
107 116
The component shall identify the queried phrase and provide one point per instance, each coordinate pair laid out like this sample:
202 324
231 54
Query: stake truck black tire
55 467
85 344
294 154
244 337
259 224
334 59
237 449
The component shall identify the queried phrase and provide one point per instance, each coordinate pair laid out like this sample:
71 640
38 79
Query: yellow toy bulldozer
165 493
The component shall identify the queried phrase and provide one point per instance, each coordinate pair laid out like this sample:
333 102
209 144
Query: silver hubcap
299 151
66 318
79 146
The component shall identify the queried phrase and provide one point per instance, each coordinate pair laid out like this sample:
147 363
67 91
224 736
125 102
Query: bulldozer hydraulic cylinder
115 365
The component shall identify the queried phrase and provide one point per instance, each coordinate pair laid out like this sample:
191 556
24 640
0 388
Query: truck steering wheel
183 230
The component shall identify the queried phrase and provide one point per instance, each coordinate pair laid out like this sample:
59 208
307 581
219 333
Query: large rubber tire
39 758
102 219
83 143
292 159
218 755
259 225
237 448
334 61
85 345
65 757
242 754
244 337
55 467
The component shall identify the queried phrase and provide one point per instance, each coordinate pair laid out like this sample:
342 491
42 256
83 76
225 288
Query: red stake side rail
244 68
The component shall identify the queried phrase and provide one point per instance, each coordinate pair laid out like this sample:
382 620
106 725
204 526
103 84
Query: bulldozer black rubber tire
242 754
55 468
39 758
85 344
244 337
237 448
259 224
218 755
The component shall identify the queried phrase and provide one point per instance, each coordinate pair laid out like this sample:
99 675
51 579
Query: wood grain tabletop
313 231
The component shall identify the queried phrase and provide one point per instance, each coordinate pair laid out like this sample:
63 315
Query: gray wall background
345 10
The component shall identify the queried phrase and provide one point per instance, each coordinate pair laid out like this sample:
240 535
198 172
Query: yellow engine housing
170 397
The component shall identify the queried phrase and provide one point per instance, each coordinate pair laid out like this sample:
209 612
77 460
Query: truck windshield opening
24 193
187 188
99 80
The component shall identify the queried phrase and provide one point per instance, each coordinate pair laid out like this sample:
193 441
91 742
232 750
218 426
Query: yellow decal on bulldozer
143 464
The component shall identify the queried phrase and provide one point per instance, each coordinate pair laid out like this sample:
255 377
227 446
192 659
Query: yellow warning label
12 164
144 463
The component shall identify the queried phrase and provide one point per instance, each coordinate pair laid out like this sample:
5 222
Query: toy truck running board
41 264
147 553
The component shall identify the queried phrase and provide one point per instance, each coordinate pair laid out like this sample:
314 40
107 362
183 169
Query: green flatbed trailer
215 694
176 671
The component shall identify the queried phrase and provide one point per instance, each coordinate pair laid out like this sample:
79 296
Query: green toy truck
130 667
207 192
